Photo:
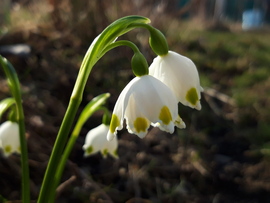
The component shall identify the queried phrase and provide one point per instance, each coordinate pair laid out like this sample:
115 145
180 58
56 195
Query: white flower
10 138
96 141
180 74
143 102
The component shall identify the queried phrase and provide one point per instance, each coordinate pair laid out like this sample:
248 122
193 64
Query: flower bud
158 42
139 64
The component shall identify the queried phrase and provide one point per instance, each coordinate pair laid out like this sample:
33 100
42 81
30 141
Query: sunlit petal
180 74
96 141
145 101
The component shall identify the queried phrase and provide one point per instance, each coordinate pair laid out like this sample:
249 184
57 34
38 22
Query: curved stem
46 192
64 158
157 40
94 53
93 106
16 93
121 43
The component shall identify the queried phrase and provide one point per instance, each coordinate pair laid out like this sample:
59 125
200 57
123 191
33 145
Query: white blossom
96 141
180 74
9 138
143 102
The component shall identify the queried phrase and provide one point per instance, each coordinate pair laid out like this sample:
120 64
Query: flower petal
96 141
10 139
146 101
180 74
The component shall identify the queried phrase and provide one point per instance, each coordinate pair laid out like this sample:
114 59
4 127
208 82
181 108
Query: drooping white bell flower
9 138
96 141
143 102
180 74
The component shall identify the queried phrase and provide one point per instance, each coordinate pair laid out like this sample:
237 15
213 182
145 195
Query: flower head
9 138
180 74
143 102
96 141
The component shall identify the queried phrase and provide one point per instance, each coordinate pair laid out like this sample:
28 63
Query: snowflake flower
9 138
143 102
180 74
96 141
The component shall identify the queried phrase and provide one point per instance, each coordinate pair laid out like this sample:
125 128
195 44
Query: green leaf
94 105
5 104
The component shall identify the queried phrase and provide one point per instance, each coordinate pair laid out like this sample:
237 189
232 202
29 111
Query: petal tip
110 136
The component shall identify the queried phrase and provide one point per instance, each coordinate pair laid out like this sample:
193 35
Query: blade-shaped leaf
94 105
5 104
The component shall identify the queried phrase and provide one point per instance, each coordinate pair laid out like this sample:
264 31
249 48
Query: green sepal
139 65
5 105
158 42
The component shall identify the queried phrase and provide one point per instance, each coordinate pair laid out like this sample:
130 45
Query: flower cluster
153 99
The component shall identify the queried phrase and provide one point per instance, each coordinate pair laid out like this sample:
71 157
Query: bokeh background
223 154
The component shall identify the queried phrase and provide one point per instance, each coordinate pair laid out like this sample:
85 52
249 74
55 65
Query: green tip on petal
8 149
105 153
192 96
140 124
115 153
89 150
165 115
115 122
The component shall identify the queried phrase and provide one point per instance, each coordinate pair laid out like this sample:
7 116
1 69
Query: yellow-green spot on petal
192 96
115 153
105 152
8 149
140 124
89 150
165 115
115 122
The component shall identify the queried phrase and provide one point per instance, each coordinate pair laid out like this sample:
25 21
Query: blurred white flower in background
96 141
9 138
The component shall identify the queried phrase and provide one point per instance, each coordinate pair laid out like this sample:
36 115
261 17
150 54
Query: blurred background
224 153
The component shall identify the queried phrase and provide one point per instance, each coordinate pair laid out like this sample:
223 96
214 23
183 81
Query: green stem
157 40
16 93
62 164
121 43
93 54
46 192
64 158
93 106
